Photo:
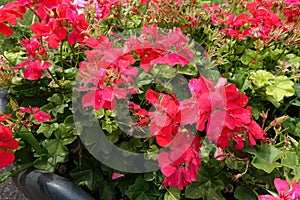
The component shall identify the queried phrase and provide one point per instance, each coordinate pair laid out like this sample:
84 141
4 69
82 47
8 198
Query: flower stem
54 78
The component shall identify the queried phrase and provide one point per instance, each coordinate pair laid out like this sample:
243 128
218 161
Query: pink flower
219 151
292 2
116 175
285 191
38 115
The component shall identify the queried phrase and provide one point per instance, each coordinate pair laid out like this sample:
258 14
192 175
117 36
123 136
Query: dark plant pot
3 99
40 185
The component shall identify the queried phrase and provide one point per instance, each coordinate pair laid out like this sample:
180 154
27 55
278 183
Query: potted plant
154 99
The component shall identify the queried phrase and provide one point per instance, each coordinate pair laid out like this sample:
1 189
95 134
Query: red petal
152 97
164 137
33 71
7 158
6 30
40 28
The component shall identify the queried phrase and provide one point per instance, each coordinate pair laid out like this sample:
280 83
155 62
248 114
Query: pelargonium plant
155 99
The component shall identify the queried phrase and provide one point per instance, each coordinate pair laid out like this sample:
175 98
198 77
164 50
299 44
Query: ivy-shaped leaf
208 185
280 88
242 192
47 129
290 160
249 58
265 157
107 190
172 194
87 174
261 78
141 190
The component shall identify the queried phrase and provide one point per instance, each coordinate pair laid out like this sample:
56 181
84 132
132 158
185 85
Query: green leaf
56 99
250 57
293 59
265 157
86 177
261 78
208 185
242 192
107 190
273 101
290 160
190 70
47 129
57 153
281 87
59 109
297 89
292 125
235 164
165 71
142 196
99 113
137 188
17 168
28 137
144 79
296 103
172 194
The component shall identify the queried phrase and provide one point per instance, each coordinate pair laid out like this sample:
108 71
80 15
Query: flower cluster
265 20
219 110
174 100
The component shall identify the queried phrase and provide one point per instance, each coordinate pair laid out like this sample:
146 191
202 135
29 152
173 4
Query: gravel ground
9 191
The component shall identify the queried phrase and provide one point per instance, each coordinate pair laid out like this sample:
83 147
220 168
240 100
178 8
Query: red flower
35 66
7 158
181 164
41 116
52 30
7 142
4 117
254 133
9 13
103 98
95 43
221 110
80 26
34 69
165 120
38 115
105 74
142 114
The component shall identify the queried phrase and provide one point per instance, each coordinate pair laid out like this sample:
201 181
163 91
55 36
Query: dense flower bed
207 92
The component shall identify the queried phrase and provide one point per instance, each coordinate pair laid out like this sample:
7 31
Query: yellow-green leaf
281 87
